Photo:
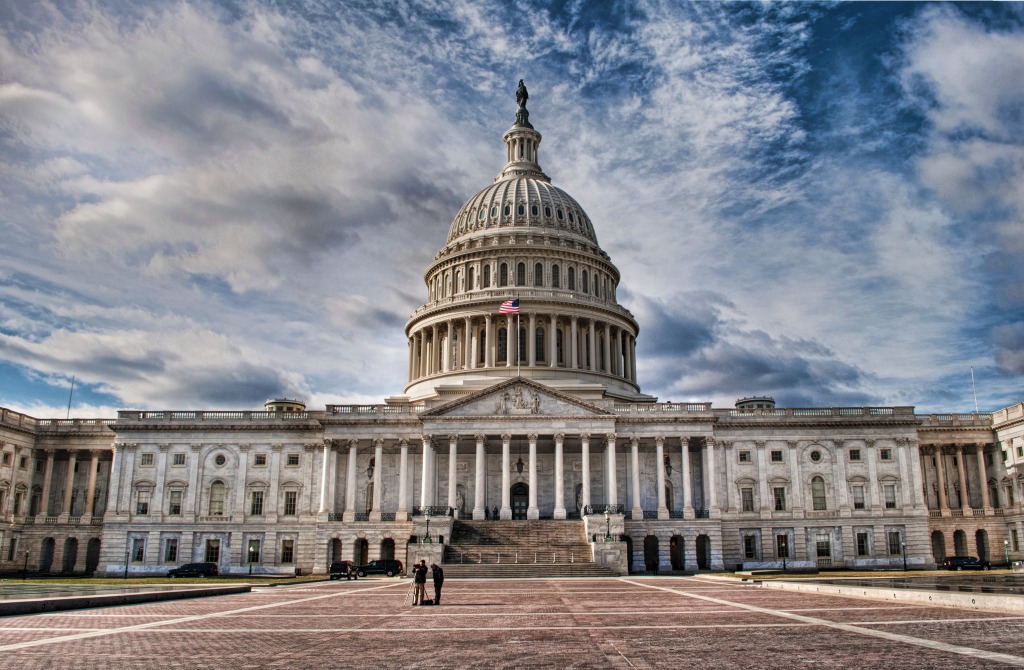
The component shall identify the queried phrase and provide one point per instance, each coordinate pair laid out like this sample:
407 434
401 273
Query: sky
207 204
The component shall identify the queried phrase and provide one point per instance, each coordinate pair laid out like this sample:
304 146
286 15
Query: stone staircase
520 549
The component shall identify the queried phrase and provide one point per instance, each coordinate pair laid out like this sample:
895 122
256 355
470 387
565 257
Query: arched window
595 285
522 344
483 346
538 274
818 493
572 279
558 346
470 276
456 286
487 276
584 284
217 498
556 281
502 345
507 210
520 210
521 274
539 344
502 275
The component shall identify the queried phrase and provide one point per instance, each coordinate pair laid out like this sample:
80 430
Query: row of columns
427 357
69 483
429 464
960 453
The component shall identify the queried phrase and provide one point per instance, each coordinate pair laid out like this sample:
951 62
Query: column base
663 513
375 515
688 512
532 513
636 514
505 514
478 514
559 513
349 516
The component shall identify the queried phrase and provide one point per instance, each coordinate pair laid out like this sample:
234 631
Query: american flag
509 307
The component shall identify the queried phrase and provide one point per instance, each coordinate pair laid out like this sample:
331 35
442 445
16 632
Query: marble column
871 453
584 473
592 347
378 468
796 487
402 513
659 460
478 486
559 512
506 502
531 341
48 480
350 482
90 491
611 475
684 443
453 451
447 363
637 513
489 342
709 467
965 502
553 343
325 475
533 512
425 475
573 345
607 367
762 475
983 477
69 483
940 474
907 486
511 339
841 483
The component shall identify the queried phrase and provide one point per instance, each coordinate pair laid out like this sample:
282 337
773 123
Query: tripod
409 594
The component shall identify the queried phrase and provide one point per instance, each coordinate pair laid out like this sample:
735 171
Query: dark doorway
676 552
92 555
334 550
703 552
938 546
629 552
361 552
520 500
960 543
70 555
651 553
46 555
981 541
387 548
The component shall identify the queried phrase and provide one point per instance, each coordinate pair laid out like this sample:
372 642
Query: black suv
194 570
389 567
346 569
965 563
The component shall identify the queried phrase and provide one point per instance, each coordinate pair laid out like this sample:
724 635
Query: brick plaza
675 622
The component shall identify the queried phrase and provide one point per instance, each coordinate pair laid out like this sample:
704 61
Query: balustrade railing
650 514
601 509
207 415
676 514
433 510
701 514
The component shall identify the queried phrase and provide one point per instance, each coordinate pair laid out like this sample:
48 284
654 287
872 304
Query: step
492 554
521 571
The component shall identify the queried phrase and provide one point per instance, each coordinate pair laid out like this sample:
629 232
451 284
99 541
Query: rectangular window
12 550
858 497
854 454
174 507
7 458
260 460
171 550
782 546
895 543
145 460
287 551
744 456
988 458
138 550
776 455
885 454
1020 452
780 498
823 547
19 500
23 462
256 508
1015 539
293 460
178 460
747 496
289 502
212 554
142 503
889 491
863 545
39 466
216 499
750 547
254 551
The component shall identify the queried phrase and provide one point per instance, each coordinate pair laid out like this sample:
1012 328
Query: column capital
869 443
759 444
50 451
659 441
403 443
710 441
453 438
585 437
610 438
559 437
684 442
532 437
634 442
352 443
378 443
277 447
246 447
428 440
506 438
838 444
792 444
480 438
310 447
163 447
193 447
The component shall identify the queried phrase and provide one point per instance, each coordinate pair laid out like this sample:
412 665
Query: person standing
438 575
419 579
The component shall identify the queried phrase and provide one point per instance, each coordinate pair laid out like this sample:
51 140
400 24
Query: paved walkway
673 622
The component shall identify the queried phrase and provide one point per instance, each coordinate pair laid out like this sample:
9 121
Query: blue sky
205 204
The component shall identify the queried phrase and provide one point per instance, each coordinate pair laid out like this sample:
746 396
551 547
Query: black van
346 569
389 567
194 570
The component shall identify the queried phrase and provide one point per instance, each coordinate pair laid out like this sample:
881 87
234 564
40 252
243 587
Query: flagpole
72 392
975 388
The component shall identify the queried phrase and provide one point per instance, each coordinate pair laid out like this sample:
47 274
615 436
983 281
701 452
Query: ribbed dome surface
521 204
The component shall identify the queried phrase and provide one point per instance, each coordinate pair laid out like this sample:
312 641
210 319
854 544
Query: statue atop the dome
522 115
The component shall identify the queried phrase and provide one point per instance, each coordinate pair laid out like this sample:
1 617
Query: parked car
346 569
194 570
389 567
965 563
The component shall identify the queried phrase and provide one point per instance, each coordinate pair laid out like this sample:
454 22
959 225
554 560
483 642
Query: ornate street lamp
1006 549
369 468
252 552
608 525
127 555
426 513
668 466
904 547
24 570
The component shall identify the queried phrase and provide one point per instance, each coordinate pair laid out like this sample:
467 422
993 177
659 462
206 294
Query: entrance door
520 501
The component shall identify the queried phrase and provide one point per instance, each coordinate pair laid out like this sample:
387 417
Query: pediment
517 397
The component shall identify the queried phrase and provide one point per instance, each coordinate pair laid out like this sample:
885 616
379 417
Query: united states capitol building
518 420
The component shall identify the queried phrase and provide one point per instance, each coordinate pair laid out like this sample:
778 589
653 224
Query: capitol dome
522 239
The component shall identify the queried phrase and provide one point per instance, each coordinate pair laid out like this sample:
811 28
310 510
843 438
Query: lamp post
127 555
607 525
1006 549
903 545
252 551
24 570
427 514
